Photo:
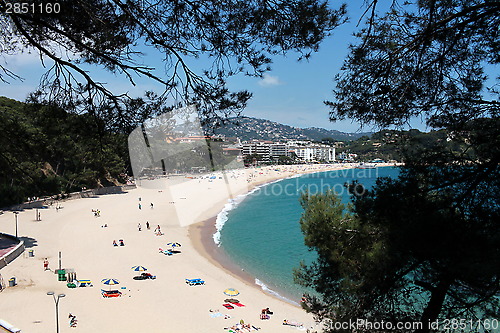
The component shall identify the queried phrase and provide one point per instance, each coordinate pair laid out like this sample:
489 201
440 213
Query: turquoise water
261 231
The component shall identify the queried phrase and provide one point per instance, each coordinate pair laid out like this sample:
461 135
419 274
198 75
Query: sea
260 231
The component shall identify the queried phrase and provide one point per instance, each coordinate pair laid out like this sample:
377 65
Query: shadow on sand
29 242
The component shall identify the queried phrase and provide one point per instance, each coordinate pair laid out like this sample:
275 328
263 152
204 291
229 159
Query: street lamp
56 301
16 213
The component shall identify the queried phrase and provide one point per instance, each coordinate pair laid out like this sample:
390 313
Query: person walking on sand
158 230
140 207
45 264
152 205
147 225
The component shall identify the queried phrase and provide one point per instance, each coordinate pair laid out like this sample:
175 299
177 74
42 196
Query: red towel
237 304
228 306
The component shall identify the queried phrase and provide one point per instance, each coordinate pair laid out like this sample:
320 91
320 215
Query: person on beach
152 205
140 207
158 231
139 226
72 320
114 243
45 264
147 225
264 314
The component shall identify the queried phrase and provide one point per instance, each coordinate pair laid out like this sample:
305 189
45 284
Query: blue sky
292 93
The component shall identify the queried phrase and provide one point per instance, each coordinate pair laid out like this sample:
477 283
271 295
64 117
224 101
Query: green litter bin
61 275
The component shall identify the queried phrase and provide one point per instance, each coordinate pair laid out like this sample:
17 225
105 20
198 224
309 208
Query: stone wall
41 203
14 253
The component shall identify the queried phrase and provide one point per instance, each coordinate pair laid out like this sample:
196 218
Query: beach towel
228 306
237 304
216 314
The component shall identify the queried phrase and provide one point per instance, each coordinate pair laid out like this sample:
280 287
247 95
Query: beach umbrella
174 245
139 268
110 282
231 292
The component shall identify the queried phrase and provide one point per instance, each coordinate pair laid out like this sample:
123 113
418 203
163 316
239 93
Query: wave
267 290
221 220
222 216
233 203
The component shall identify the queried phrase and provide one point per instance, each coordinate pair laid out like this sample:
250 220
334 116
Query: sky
292 93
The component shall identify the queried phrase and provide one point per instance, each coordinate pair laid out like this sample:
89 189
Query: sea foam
233 203
267 290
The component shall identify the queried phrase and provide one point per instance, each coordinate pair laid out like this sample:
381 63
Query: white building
314 152
278 149
304 150
262 148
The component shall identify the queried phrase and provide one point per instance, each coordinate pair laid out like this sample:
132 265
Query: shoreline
201 236
166 303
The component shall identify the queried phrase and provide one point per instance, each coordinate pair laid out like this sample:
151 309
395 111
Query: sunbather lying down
145 276
292 323
242 328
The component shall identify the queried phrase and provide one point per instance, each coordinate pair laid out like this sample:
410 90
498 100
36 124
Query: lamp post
56 301
16 213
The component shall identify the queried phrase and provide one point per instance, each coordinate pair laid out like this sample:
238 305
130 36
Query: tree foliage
425 246
232 37
47 151
426 59
405 252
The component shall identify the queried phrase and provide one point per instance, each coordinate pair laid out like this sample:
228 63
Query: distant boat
366 166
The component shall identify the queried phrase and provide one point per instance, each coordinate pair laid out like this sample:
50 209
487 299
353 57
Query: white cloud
269 80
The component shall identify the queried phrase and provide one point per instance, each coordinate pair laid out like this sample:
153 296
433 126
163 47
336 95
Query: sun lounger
84 283
111 293
166 252
195 282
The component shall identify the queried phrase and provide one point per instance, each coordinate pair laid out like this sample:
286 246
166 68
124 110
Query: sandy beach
185 210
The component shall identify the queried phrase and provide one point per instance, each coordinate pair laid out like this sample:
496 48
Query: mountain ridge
251 128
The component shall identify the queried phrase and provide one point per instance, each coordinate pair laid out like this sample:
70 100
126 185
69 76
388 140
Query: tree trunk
435 304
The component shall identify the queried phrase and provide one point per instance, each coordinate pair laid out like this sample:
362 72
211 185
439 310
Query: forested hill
45 151
247 128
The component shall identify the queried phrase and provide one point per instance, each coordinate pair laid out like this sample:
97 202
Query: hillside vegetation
46 151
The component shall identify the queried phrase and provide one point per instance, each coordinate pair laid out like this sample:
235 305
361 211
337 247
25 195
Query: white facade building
314 152
304 150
